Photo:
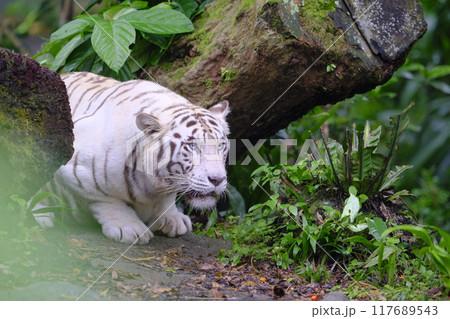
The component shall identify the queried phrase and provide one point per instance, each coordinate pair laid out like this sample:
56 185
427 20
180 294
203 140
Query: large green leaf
237 202
374 257
65 51
376 228
159 21
111 40
73 27
79 56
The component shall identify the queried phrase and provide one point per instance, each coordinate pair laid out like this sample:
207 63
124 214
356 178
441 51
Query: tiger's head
189 151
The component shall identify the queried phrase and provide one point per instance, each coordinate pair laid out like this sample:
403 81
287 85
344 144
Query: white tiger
136 146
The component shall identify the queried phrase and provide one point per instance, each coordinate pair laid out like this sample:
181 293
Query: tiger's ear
220 109
147 123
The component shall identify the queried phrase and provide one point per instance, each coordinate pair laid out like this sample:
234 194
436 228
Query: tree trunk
275 60
35 125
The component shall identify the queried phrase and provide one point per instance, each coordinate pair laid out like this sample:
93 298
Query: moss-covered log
35 125
275 60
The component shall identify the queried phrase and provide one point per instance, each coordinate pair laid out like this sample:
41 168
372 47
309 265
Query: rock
35 125
335 296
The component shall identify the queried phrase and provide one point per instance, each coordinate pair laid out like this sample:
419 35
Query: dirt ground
82 264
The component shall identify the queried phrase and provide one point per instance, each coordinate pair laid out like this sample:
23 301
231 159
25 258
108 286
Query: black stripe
160 153
98 108
105 168
124 91
73 80
184 119
190 123
82 96
126 173
147 93
95 178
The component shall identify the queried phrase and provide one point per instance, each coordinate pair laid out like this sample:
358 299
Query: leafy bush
317 214
306 208
120 39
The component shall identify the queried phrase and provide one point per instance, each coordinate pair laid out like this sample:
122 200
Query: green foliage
120 39
315 217
439 253
59 209
302 219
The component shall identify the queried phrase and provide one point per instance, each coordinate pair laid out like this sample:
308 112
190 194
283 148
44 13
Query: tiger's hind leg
45 220
120 222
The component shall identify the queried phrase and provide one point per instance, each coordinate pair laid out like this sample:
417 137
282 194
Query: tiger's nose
216 180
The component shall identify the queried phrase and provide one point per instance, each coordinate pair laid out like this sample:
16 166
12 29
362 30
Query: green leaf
159 21
376 228
293 210
111 40
212 219
65 51
139 4
400 123
371 138
438 72
357 228
398 194
201 8
417 231
359 239
188 7
163 41
73 27
116 12
40 197
124 73
445 237
393 176
237 202
79 56
373 258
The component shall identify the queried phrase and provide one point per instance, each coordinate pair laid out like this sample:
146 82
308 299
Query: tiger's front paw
129 232
172 224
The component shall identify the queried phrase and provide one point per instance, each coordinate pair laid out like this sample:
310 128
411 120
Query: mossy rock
35 125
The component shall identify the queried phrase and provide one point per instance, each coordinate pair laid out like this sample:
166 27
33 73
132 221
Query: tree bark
35 125
275 60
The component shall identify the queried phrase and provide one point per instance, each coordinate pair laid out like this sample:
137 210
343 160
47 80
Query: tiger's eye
192 146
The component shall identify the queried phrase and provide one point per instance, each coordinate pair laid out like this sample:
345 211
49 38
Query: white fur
105 124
